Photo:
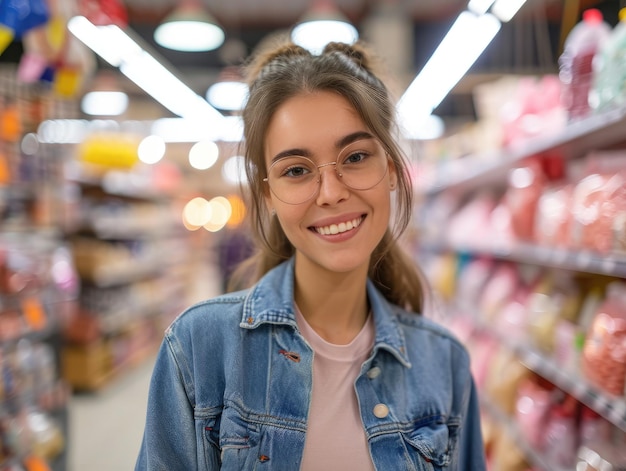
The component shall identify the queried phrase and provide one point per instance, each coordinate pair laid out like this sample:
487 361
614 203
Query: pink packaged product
566 353
498 290
470 225
526 185
604 352
561 434
471 281
482 348
511 320
553 219
599 212
534 109
532 407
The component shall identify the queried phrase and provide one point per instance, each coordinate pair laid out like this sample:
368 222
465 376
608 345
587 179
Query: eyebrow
339 144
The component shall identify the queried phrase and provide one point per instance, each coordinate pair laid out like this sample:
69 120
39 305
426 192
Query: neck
334 304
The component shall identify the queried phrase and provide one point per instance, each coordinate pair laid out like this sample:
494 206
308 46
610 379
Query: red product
598 209
575 64
604 352
526 185
553 219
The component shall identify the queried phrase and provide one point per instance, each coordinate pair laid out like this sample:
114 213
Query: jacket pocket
212 430
431 444
238 441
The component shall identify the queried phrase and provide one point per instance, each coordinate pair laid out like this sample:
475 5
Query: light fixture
479 6
116 47
229 92
467 39
104 103
505 10
189 28
324 23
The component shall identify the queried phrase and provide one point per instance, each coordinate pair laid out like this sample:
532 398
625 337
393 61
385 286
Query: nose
332 189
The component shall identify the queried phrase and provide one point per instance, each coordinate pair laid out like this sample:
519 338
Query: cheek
288 216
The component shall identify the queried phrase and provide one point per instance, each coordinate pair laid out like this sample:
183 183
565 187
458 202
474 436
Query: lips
339 228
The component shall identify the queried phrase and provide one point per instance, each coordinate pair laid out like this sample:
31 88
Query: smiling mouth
339 228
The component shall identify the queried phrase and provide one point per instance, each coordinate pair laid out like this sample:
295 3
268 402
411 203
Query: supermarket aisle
106 427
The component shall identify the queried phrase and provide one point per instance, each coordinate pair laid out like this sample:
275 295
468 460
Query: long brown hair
288 70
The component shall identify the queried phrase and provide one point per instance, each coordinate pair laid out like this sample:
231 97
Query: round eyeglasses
296 179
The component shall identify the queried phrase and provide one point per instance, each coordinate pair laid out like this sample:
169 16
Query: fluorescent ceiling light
479 7
424 128
506 9
104 103
467 39
120 50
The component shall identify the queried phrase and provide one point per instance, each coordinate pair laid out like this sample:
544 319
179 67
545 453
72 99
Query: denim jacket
232 385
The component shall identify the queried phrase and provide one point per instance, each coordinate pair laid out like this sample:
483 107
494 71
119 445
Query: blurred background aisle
106 428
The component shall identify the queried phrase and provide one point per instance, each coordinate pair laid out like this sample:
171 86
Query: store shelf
574 141
536 458
584 261
610 407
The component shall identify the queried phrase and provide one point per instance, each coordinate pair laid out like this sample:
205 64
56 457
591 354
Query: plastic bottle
609 70
575 64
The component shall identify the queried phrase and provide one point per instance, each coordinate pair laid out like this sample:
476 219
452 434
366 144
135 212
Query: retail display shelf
612 408
585 261
114 273
128 228
574 141
121 320
537 458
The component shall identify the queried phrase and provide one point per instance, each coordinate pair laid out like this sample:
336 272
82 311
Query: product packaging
576 62
609 70
604 352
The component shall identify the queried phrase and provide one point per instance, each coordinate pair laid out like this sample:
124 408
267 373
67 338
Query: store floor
106 427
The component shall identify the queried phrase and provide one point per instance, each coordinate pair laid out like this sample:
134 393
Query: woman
324 364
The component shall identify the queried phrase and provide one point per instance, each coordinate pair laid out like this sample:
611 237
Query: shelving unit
131 252
38 290
595 132
462 179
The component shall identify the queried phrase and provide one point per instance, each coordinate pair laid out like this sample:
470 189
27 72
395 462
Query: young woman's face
338 228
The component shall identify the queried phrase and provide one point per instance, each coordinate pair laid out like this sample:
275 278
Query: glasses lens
293 179
362 164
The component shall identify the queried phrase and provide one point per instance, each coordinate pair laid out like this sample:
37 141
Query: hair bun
269 55
356 52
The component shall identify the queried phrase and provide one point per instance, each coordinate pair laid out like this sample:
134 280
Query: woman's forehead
313 120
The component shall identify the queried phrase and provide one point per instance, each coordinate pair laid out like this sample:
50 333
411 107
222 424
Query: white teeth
339 228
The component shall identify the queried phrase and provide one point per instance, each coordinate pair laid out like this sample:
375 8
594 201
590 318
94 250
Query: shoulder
210 315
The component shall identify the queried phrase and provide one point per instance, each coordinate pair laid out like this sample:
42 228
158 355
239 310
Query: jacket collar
271 301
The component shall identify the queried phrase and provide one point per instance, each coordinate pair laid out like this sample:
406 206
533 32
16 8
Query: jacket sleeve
471 446
170 440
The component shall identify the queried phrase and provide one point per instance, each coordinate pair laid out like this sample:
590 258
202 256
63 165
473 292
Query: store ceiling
529 44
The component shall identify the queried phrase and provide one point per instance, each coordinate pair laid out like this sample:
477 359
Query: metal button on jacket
373 372
381 411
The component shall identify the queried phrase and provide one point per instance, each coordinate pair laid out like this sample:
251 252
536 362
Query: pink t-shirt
335 437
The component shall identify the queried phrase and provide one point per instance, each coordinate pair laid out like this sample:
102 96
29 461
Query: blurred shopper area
110 225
